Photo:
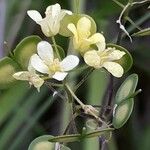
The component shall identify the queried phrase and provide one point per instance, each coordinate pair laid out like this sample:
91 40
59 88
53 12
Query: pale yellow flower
82 38
30 76
105 58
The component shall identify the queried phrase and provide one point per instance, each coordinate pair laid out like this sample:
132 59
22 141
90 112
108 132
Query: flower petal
56 10
83 27
60 76
116 55
63 13
69 62
45 51
38 64
31 68
67 11
22 75
98 38
114 68
45 27
92 59
37 82
35 15
73 29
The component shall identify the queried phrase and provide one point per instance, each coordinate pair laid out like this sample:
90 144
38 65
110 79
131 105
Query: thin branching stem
132 22
142 2
84 79
118 3
119 21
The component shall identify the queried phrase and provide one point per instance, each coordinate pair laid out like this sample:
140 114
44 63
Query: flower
30 76
105 58
82 38
45 62
51 23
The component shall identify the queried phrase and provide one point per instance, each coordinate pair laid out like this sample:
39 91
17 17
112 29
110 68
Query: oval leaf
42 143
126 61
74 19
144 32
25 49
124 106
7 68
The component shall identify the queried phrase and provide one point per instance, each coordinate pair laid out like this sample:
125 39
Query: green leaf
126 61
10 100
74 19
25 49
124 105
92 124
42 143
144 32
7 68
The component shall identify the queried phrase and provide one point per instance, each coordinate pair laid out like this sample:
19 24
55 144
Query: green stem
118 3
132 22
130 96
74 96
79 137
55 46
84 78
77 6
53 84
88 109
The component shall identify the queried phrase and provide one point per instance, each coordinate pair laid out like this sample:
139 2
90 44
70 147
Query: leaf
10 100
42 143
25 49
74 19
7 68
144 32
126 61
92 124
124 106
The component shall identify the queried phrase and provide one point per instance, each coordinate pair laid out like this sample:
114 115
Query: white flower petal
114 68
35 15
63 13
69 62
45 51
45 27
67 11
56 10
60 76
92 59
116 55
22 75
38 64
31 68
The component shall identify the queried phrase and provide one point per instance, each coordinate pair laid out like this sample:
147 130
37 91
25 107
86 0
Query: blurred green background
26 114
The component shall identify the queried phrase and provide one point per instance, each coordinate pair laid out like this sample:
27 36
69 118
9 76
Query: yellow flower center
104 55
55 66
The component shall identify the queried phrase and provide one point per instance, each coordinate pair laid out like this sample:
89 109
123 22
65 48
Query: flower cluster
91 46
